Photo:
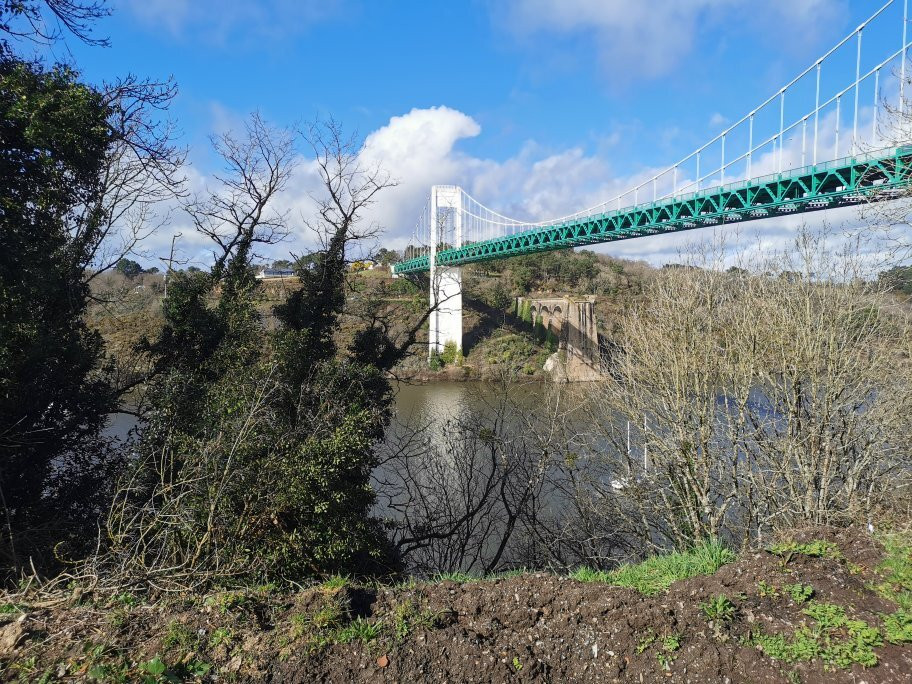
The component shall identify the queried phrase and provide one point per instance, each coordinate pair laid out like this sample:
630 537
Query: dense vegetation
266 470
54 397
256 448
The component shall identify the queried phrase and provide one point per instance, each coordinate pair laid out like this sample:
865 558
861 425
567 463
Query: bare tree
498 486
141 174
240 213
756 402
44 21
348 187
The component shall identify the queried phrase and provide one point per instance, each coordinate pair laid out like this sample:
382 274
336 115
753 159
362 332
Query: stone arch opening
557 318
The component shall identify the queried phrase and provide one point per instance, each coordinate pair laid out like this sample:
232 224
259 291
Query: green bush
499 297
451 354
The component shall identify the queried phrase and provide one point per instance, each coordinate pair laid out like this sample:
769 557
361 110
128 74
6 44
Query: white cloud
217 21
717 120
650 38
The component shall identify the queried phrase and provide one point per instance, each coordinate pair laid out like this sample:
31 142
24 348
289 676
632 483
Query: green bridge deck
844 182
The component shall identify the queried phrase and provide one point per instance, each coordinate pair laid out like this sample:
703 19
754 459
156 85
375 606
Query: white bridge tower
445 324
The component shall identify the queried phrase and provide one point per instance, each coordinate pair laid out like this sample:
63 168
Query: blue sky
535 106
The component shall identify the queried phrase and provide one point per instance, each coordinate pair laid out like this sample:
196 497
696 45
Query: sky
536 107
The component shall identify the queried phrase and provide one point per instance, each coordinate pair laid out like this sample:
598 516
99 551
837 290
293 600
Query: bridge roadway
853 180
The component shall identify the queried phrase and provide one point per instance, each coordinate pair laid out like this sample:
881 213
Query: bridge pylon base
445 323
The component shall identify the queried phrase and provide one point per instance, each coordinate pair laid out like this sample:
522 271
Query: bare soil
526 628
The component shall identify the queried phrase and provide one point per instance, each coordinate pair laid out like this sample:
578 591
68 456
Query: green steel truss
844 182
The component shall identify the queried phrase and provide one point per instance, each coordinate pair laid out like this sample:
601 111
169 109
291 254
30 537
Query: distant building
267 273
363 265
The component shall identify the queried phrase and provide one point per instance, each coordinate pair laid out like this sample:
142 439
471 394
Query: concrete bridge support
445 324
572 319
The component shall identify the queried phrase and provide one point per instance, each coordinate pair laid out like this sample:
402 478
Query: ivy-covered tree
258 448
53 401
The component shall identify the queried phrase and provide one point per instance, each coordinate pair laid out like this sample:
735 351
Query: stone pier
572 319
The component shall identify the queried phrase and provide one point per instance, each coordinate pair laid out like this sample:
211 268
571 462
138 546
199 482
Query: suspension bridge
836 135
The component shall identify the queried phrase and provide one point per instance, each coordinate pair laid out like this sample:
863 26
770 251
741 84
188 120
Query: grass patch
335 583
656 574
408 616
460 577
358 629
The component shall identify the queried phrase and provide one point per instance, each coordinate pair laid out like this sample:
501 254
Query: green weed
764 590
517 664
672 642
109 672
195 668
154 667
656 574
181 636
646 642
802 647
800 593
837 640
126 599
898 627
816 549
896 571
719 609
220 636
228 601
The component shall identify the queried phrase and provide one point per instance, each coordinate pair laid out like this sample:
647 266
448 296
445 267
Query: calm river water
431 403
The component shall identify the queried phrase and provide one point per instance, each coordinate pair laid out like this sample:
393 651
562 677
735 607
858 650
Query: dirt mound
810 611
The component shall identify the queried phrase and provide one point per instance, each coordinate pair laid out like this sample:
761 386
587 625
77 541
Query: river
432 403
